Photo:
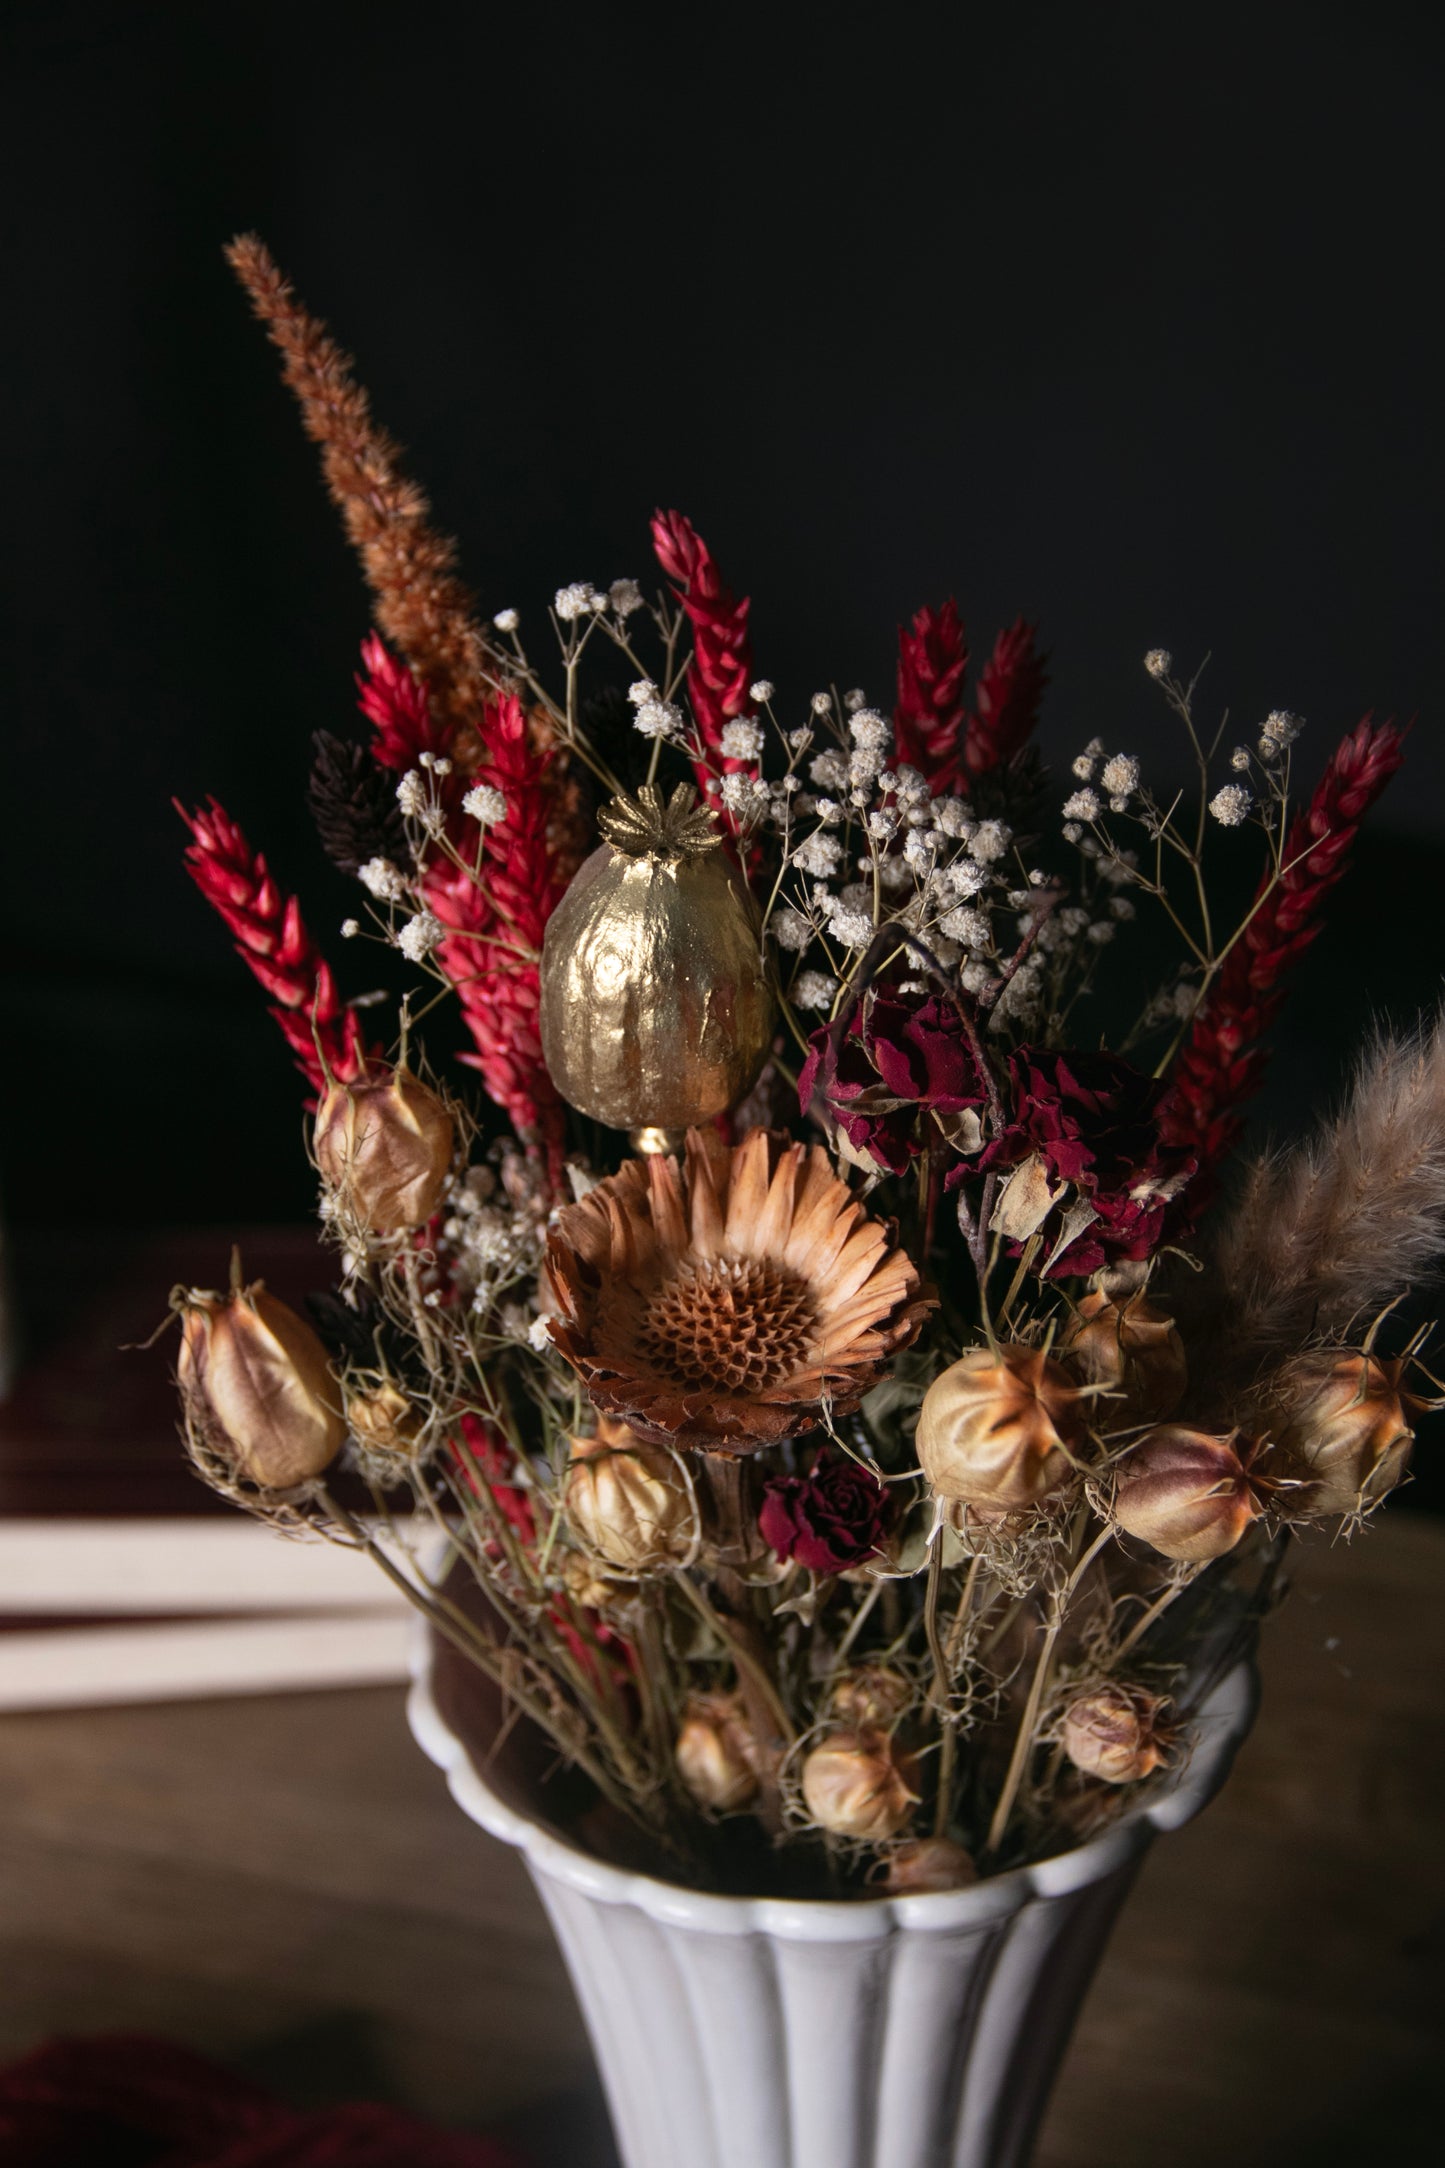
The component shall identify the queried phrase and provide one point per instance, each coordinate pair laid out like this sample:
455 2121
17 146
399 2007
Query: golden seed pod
656 1007
1114 1733
584 1584
257 1378
1343 1429
630 1501
994 1428
927 1865
855 1784
385 1145
870 1695
384 1420
1186 1493
1134 1351
713 1753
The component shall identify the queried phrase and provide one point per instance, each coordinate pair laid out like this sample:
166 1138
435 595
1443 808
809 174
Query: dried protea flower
1189 1494
256 1386
870 1696
994 1429
383 1420
713 1753
1342 1429
723 1305
856 1784
384 1145
1134 1351
1116 1733
927 1865
630 1501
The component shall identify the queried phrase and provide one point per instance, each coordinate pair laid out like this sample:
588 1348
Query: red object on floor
125 2101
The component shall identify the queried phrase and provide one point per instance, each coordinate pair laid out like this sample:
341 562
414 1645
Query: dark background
1120 317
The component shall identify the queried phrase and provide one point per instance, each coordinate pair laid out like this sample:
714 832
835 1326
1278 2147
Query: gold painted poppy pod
656 1007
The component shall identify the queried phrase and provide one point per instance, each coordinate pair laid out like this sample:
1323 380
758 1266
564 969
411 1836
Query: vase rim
1222 1721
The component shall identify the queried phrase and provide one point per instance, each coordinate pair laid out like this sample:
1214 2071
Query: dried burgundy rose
1092 1120
898 1061
832 1518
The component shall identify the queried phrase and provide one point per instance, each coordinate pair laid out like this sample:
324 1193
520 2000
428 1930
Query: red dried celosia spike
494 935
1222 1061
1006 705
271 936
394 702
721 670
932 658
485 1459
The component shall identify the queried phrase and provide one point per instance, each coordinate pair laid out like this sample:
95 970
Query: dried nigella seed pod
256 1384
629 1501
1187 1493
712 1753
1115 1733
855 1784
1135 1352
927 1865
656 1007
383 1420
384 1144
995 1427
1343 1429
870 1695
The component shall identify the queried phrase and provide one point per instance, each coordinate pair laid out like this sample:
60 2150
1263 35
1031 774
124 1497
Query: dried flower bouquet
860 1470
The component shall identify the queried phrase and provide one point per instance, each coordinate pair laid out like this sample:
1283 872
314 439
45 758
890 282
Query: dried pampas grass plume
1324 1235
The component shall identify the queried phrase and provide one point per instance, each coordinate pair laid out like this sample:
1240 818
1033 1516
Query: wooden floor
285 1884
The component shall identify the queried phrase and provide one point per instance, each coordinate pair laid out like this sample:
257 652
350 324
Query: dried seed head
994 1428
1116 1733
1187 1493
384 1145
383 1420
584 1584
629 1501
926 1865
1343 1430
1134 1351
870 1696
855 1784
255 1379
713 1753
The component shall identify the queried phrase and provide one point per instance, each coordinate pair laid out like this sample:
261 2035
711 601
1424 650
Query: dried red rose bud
926 1865
1343 1429
630 1501
384 1420
1135 1352
871 1695
1116 1733
713 1753
256 1382
384 1144
1188 1494
994 1428
856 1784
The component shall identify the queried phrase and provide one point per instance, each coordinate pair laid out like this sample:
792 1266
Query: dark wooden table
284 1884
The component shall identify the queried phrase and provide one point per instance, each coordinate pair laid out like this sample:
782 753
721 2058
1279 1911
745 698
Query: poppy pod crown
725 1302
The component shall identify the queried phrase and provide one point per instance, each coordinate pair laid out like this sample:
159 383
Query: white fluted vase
909 2032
